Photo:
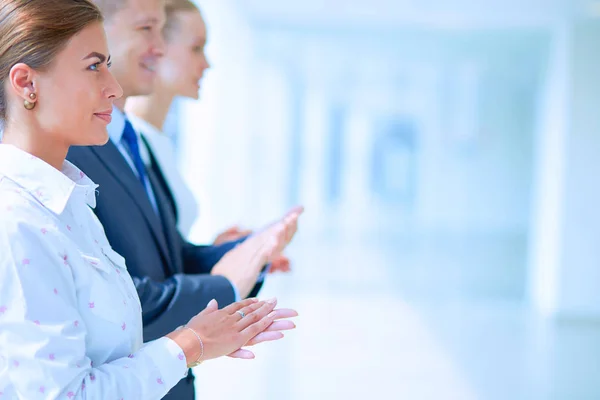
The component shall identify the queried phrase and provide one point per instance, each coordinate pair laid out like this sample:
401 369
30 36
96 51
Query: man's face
135 41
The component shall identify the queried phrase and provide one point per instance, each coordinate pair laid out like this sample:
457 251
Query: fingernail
272 301
210 303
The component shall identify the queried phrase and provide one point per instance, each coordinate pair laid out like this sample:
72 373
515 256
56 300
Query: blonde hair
172 7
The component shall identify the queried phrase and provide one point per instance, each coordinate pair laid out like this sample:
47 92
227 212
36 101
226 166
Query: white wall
215 131
565 272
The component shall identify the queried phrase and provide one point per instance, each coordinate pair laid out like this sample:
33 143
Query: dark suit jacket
171 275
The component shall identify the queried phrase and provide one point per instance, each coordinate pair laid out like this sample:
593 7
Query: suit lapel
166 206
113 160
160 179
168 220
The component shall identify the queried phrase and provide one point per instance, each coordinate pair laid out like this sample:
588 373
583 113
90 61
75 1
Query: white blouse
70 317
164 151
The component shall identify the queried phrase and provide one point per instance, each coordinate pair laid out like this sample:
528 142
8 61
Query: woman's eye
94 67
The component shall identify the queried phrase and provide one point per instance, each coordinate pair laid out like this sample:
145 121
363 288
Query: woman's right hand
225 331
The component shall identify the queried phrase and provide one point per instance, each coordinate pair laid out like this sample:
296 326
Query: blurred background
447 154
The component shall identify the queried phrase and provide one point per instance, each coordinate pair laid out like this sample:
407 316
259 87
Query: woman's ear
21 81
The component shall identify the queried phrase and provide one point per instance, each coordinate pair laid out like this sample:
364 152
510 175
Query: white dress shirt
164 151
70 318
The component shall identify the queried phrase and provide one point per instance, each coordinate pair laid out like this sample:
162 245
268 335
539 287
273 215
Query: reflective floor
411 318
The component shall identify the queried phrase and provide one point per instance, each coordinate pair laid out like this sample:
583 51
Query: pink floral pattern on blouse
63 295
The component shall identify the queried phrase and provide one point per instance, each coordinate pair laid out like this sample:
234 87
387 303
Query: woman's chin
193 95
98 139
102 140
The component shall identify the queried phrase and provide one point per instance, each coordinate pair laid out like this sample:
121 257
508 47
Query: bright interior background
447 153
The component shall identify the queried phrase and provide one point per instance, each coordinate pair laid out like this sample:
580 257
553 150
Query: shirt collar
143 126
52 188
117 126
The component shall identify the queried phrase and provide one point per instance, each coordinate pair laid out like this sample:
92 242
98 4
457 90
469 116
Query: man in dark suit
175 279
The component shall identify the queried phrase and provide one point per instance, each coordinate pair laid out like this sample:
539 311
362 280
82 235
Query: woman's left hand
273 332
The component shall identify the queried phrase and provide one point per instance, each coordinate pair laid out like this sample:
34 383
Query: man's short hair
110 7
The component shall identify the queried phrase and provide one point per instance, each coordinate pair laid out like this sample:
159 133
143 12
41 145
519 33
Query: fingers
291 224
230 309
278 233
290 219
232 229
277 230
259 326
281 234
264 244
231 234
283 270
280 269
295 210
280 264
223 237
230 237
242 353
257 316
285 313
243 233
210 307
265 251
237 315
278 326
265 337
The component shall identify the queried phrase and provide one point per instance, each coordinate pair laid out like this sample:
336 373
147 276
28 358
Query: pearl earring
30 105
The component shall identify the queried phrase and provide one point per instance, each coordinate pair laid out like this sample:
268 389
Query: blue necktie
131 140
